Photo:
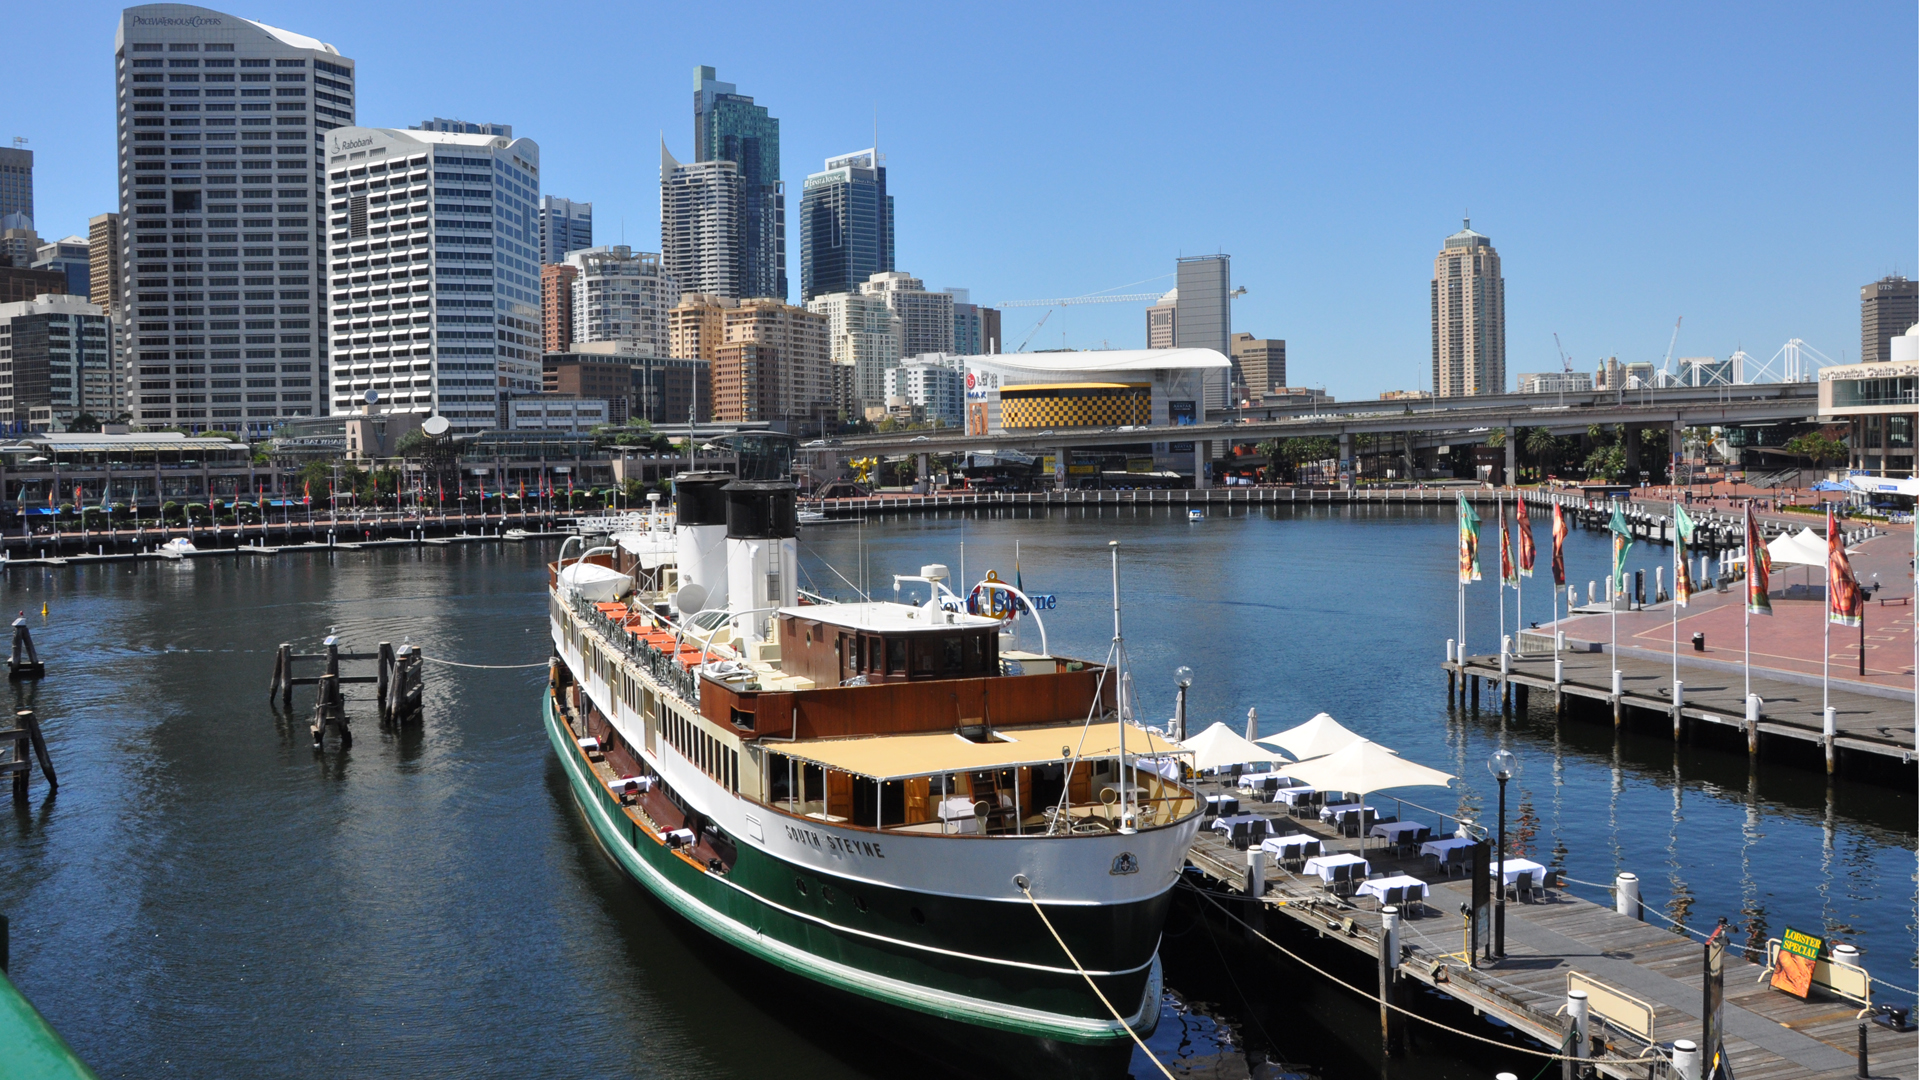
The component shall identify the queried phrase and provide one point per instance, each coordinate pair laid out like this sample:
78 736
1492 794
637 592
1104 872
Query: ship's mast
1120 692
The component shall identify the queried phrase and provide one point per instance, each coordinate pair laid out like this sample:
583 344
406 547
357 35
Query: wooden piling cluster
25 661
24 734
397 680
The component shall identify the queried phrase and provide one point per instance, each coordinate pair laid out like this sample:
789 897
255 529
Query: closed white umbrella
1363 767
1219 748
1318 737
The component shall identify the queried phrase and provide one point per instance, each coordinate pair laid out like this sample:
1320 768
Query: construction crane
1665 369
1566 362
1105 298
1035 330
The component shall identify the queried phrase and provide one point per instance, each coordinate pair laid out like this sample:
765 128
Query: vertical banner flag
1682 572
1524 527
1507 576
1559 539
1469 543
1759 569
1843 593
1622 543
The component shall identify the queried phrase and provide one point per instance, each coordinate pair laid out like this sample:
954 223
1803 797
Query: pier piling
26 736
25 662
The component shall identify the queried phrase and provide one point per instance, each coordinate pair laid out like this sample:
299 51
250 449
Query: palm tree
1542 447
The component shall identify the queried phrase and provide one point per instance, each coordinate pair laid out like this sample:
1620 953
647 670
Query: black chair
1459 859
1242 835
1310 850
1522 889
1342 883
1256 832
1396 896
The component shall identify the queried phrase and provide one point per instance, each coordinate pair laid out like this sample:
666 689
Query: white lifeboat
598 584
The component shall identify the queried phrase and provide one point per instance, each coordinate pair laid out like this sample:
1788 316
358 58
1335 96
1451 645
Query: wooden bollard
1475 679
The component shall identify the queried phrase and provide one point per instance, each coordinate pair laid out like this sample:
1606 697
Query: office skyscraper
56 362
223 214
728 126
1204 315
436 272
556 306
926 318
1469 300
700 225
565 226
103 262
16 185
846 225
1260 363
1887 308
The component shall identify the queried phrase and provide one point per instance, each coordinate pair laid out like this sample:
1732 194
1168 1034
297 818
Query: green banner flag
1622 543
1469 543
1682 557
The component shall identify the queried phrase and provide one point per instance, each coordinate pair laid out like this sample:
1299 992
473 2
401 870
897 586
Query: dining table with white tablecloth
1377 887
1395 832
1439 848
1288 848
1516 866
1254 822
1322 865
1333 812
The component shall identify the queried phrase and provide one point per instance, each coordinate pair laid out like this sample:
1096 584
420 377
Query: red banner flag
1559 540
1507 576
1524 528
1843 592
1759 569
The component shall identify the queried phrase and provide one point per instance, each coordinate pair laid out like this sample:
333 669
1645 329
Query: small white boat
1196 515
516 535
178 548
597 584
811 517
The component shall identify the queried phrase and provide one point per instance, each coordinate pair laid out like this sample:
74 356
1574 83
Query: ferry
884 797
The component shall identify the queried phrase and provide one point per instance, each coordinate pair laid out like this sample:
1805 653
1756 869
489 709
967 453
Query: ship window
896 656
744 719
953 649
926 655
919 917
799 886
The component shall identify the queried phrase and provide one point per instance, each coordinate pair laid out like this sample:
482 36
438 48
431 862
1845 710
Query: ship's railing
662 667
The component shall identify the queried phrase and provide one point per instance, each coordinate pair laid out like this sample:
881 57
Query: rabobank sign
340 144
195 21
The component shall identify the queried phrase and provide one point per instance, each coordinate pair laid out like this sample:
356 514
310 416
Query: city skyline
1569 164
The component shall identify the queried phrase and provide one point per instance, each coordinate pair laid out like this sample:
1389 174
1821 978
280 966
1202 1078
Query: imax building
1138 394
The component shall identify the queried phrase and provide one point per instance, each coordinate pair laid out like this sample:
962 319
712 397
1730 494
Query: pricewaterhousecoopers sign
168 20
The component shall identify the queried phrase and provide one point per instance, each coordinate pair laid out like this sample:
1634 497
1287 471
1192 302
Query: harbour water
208 897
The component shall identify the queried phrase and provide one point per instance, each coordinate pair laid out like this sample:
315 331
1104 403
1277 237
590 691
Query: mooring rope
483 667
1335 979
1075 961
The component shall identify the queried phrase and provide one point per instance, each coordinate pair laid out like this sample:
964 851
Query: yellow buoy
43 609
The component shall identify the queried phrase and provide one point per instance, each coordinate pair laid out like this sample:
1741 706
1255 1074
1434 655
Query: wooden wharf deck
1869 720
1768 1034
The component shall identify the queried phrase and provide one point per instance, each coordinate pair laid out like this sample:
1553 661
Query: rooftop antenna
19 141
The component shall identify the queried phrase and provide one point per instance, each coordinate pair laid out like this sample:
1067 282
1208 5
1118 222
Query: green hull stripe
588 793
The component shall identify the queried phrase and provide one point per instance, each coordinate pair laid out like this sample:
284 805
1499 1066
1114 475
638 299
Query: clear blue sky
1746 166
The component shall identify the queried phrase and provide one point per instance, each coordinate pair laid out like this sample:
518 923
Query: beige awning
1318 737
1363 766
1219 748
899 757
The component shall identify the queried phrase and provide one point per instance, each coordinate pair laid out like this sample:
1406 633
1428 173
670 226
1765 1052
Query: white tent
1219 748
1365 766
1804 548
1318 737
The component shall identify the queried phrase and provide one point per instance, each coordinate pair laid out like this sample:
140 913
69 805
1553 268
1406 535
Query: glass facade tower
729 127
846 225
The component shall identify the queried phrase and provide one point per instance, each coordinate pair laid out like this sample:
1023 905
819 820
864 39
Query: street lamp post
1504 766
1182 678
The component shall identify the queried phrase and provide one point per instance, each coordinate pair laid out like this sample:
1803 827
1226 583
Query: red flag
441 489
1843 592
1759 568
1525 528
77 499
1507 576
1559 539
523 491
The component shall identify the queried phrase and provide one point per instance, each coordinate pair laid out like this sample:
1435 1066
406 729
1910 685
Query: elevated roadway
1445 419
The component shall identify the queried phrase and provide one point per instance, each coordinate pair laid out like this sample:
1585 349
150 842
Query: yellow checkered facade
1071 406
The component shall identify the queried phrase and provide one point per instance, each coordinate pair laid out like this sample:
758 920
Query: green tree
1542 449
1817 446
85 422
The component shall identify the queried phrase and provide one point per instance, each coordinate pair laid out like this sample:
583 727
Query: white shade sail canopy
1365 766
1219 747
1318 737
1804 548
